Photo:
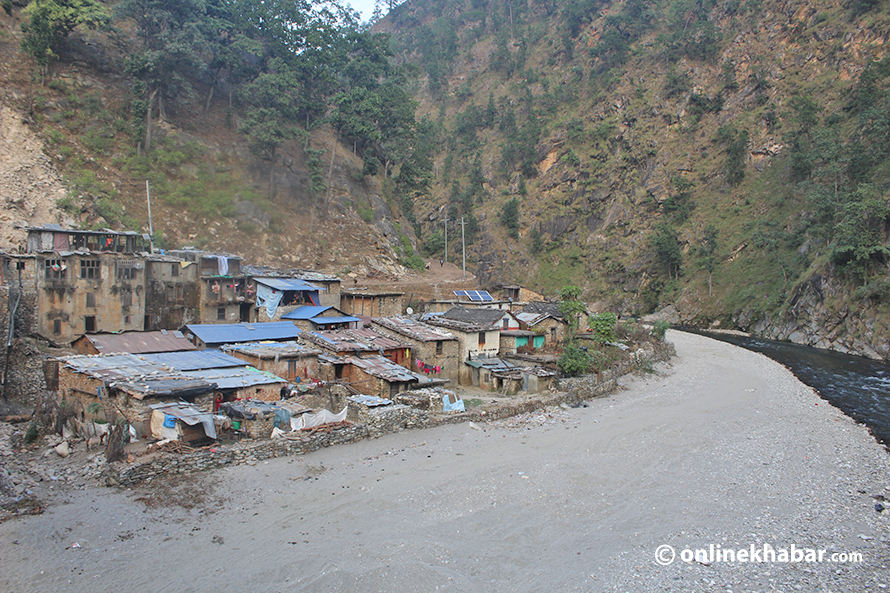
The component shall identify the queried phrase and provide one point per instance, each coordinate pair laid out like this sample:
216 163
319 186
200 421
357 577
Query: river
858 386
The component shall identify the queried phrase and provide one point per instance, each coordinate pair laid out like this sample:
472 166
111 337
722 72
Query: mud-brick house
87 282
172 292
431 347
361 343
371 303
311 318
292 361
133 343
478 333
503 376
215 335
105 386
277 296
224 294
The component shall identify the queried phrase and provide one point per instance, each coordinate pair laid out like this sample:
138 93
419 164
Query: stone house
361 343
514 339
172 288
87 281
368 303
224 294
430 346
478 333
288 360
107 386
234 380
549 320
517 294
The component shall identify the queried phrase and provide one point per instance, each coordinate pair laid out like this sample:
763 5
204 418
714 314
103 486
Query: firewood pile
327 427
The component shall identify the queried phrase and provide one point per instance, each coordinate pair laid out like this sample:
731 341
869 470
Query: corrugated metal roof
411 328
551 309
273 350
333 320
384 368
230 333
533 318
192 361
235 378
354 340
137 376
479 316
140 342
305 312
287 284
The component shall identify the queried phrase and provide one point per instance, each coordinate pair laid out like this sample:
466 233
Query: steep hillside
71 152
726 159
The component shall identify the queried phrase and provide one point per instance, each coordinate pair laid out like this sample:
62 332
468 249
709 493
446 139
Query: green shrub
659 329
31 434
574 361
414 262
603 325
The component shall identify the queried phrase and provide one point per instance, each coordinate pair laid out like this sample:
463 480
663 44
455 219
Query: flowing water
858 386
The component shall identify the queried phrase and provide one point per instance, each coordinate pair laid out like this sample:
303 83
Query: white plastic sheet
317 419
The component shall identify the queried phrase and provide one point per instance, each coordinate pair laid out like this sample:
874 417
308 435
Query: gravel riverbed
723 447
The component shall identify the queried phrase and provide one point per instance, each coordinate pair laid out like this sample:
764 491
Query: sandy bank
725 447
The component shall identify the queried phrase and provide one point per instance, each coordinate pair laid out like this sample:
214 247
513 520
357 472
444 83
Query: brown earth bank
723 447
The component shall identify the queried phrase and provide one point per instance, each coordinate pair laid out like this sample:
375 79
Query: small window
54 269
439 346
126 270
506 323
57 326
126 297
221 313
89 269
127 319
91 300
482 339
89 324
19 265
174 269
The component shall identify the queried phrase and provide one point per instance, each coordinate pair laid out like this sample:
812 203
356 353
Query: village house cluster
169 339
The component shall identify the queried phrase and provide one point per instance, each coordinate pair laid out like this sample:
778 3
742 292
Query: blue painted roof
330 320
196 360
305 312
231 333
287 284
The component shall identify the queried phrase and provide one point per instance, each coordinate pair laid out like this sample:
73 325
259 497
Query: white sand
724 447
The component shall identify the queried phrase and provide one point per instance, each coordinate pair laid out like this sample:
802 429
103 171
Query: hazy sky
365 7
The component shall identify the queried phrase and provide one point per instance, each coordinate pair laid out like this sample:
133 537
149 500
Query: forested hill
727 159
277 130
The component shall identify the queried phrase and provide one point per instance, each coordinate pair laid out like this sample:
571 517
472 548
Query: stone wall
243 453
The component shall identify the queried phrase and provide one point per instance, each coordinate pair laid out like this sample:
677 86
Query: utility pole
463 246
445 220
151 232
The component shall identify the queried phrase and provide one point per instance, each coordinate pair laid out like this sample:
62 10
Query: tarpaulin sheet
269 298
317 419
